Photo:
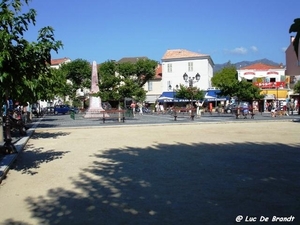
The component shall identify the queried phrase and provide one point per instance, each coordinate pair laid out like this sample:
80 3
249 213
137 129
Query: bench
239 113
183 111
113 113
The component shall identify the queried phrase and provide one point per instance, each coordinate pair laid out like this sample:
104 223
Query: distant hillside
218 67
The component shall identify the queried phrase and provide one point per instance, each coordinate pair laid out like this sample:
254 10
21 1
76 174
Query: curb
8 160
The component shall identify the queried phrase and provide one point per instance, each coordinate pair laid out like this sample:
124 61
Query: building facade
292 63
153 86
270 79
177 62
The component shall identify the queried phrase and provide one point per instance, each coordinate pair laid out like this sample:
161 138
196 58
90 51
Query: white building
177 62
270 79
153 86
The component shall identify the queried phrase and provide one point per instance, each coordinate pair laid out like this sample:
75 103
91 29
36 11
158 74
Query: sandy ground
168 174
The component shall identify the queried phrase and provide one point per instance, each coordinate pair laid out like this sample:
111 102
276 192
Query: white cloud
239 51
254 48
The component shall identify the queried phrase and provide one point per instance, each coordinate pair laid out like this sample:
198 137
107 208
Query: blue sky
234 30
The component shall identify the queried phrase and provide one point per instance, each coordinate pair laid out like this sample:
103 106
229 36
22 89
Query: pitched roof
180 53
158 72
260 66
58 61
131 59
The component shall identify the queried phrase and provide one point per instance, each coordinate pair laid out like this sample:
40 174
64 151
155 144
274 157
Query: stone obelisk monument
95 107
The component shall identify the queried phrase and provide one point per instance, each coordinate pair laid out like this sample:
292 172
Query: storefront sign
272 72
280 84
249 73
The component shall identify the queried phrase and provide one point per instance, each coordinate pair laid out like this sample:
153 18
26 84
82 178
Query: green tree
145 70
246 91
125 80
78 72
226 80
295 27
60 86
184 92
297 87
23 64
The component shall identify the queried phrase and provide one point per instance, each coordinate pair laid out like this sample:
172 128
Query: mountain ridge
219 67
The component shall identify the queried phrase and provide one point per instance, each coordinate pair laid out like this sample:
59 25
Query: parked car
232 108
62 109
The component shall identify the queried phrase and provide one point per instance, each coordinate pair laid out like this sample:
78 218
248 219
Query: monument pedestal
95 109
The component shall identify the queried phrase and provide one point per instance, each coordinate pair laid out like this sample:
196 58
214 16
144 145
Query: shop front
280 96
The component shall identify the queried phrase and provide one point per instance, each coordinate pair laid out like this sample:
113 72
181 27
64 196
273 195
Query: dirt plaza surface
161 174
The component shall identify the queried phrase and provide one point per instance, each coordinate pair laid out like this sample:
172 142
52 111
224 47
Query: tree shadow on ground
39 134
178 184
32 158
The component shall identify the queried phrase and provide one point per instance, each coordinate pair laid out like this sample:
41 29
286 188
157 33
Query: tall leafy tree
78 72
23 64
295 27
145 70
76 75
226 80
192 93
297 87
125 80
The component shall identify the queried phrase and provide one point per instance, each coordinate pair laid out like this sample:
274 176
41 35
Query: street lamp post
277 97
191 81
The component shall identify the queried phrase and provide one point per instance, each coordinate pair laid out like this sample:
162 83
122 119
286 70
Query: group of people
285 109
17 114
137 107
159 108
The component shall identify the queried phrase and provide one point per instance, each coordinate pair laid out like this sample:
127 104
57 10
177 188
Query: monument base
95 109
94 113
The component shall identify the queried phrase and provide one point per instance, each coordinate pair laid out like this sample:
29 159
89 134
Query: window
272 79
150 88
169 68
190 66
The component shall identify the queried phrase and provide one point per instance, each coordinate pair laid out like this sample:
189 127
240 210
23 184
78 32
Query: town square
149 113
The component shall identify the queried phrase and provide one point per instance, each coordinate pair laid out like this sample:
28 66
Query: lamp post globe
191 81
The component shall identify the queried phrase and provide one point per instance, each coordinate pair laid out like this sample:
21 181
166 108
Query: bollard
72 115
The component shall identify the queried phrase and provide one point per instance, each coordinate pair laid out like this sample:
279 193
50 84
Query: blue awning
212 95
170 97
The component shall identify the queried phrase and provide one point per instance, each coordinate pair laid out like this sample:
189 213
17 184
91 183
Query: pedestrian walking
199 108
133 105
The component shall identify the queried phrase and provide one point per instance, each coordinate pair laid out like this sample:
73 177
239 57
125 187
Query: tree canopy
295 27
226 80
189 93
297 87
78 72
125 80
24 71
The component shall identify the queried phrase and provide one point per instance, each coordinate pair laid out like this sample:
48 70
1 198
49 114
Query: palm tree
295 27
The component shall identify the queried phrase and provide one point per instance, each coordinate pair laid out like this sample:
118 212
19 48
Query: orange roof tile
180 53
158 72
260 66
58 61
